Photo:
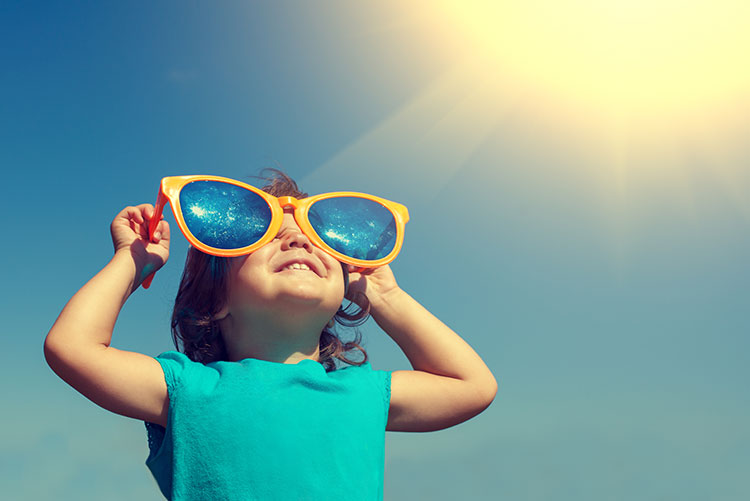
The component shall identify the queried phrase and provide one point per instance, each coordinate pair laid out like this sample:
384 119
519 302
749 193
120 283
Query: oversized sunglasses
224 217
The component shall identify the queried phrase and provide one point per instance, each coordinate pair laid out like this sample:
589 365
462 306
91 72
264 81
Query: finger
161 232
148 211
164 230
131 214
359 270
148 214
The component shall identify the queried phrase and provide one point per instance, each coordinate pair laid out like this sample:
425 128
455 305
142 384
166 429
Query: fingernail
157 235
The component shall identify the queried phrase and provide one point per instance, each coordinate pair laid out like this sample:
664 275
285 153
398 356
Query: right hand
129 232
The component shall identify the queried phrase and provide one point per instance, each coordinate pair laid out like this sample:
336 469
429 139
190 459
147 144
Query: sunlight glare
632 57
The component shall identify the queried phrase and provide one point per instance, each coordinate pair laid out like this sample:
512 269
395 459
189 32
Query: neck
285 339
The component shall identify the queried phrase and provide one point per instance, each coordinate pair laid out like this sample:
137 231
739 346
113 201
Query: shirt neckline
304 360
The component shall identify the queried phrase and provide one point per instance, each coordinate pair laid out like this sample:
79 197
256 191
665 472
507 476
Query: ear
222 313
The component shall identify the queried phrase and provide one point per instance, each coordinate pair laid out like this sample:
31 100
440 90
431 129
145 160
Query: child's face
261 283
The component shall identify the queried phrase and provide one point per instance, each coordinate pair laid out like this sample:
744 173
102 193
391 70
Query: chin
303 296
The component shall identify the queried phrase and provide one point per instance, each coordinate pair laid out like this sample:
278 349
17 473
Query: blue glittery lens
223 215
356 227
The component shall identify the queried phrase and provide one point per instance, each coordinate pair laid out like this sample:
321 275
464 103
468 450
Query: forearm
89 317
429 344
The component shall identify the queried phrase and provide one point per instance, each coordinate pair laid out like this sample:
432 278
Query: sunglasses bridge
288 202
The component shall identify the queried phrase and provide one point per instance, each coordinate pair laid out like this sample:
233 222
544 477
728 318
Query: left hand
373 282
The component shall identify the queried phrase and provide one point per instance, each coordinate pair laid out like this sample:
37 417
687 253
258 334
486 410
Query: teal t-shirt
255 429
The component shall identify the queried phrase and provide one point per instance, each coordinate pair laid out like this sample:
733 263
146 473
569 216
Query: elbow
489 392
484 393
486 386
48 351
53 354
483 397
50 344
50 355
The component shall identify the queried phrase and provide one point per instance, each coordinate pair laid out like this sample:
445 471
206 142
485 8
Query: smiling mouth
299 266
303 275
298 270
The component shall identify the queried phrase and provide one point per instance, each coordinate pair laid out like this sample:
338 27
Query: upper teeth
297 266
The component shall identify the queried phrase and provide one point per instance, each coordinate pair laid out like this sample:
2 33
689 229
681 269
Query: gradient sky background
576 175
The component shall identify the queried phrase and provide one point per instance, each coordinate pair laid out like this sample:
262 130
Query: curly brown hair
203 292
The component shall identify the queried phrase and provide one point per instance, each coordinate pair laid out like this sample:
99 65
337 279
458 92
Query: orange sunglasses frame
169 191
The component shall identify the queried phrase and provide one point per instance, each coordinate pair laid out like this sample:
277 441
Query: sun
621 92
634 59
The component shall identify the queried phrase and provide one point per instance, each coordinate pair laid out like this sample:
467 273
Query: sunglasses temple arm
161 201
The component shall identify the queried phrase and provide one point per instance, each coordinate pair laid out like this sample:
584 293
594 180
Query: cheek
246 280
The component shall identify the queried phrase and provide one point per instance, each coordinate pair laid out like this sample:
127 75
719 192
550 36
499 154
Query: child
255 407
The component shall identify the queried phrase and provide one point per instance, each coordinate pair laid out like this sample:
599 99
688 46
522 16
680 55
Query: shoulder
376 379
177 366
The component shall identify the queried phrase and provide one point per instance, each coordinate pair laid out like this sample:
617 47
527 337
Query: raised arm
77 348
449 384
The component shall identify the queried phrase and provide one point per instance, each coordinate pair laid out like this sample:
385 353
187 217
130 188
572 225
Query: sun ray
721 150
625 95
426 141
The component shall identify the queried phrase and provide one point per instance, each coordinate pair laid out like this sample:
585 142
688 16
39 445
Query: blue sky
602 280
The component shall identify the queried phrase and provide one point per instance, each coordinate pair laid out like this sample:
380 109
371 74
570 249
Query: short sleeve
383 382
174 364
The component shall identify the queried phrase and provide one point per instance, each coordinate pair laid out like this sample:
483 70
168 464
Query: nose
291 238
